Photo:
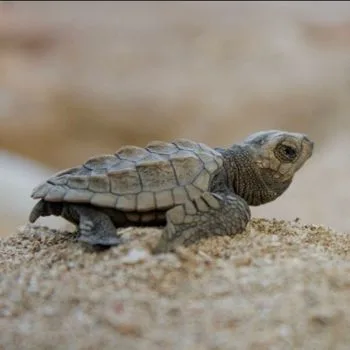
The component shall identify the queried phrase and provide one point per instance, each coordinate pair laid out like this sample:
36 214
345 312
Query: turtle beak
308 144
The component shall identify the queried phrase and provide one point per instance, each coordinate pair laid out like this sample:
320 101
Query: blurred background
79 79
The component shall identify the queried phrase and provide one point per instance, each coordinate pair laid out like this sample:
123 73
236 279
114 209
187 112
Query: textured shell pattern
156 177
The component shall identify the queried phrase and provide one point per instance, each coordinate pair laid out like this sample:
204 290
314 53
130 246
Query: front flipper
212 214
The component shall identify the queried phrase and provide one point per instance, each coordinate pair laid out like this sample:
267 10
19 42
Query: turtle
190 189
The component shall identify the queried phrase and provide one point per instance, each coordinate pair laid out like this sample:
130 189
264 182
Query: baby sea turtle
193 190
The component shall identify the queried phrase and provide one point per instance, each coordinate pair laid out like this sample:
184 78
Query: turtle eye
286 153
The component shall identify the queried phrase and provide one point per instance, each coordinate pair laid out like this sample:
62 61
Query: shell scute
56 194
69 171
202 181
132 153
99 184
186 168
156 175
61 180
77 196
103 162
126 202
106 200
180 195
41 190
125 181
78 182
146 201
161 147
185 144
164 199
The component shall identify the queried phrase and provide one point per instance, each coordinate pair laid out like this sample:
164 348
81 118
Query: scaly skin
255 172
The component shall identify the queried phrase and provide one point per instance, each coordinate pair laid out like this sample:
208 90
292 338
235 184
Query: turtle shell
156 177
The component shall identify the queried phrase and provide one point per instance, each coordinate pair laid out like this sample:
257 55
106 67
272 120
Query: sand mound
280 285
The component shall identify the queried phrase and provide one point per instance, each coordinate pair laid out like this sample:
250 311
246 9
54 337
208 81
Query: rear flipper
43 208
95 227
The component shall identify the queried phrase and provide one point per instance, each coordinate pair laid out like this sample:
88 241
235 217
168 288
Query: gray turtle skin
190 189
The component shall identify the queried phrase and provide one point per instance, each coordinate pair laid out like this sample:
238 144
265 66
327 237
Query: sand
279 285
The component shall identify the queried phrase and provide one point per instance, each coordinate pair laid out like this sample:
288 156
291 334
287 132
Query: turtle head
278 153
274 158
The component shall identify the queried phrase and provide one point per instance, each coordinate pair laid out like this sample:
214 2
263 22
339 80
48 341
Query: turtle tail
44 208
